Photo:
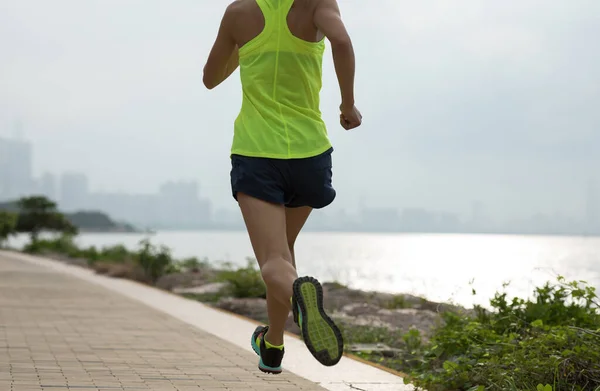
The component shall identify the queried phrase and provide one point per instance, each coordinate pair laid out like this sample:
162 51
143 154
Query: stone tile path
58 332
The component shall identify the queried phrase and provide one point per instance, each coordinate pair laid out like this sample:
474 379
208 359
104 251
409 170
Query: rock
255 309
214 287
364 314
121 270
184 280
252 308
383 349
337 296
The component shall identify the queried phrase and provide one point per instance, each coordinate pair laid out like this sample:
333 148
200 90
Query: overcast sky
464 100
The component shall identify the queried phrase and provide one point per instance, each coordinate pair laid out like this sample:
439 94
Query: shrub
552 339
155 262
8 224
243 282
396 302
115 254
63 245
193 264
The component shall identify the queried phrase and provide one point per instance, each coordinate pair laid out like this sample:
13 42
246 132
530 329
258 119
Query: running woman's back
281 71
281 160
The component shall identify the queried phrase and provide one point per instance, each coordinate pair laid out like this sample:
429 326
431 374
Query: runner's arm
223 59
328 20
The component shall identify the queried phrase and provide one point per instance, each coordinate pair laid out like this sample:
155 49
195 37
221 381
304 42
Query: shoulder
232 13
238 6
236 10
326 4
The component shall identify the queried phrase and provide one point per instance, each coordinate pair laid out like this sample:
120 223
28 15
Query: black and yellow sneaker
270 355
322 337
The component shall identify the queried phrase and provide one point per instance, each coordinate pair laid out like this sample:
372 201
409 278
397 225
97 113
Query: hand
350 117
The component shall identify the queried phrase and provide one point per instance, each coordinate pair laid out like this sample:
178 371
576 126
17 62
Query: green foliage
155 261
396 302
8 225
113 254
63 244
37 214
193 264
551 341
243 282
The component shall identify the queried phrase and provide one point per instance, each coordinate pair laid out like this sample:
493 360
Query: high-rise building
47 186
16 161
179 204
74 191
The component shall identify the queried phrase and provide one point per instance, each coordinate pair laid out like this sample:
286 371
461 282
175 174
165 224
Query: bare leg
295 219
266 224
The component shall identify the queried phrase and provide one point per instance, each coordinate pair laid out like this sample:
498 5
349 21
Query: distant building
228 218
46 185
418 220
176 205
74 191
180 205
16 161
385 219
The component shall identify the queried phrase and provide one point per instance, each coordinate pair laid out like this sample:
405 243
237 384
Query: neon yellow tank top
281 82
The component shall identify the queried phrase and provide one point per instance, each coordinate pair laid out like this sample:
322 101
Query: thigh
312 182
294 221
260 178
266 224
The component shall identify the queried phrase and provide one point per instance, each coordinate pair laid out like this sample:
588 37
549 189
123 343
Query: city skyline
474 101
180 204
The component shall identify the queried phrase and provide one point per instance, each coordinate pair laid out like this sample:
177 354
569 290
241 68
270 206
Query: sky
463 101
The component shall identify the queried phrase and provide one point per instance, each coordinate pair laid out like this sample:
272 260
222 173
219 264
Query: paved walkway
63 327
58 332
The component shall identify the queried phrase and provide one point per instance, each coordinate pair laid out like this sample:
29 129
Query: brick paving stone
60 333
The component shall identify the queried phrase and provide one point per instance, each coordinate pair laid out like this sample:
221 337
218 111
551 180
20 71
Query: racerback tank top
281 78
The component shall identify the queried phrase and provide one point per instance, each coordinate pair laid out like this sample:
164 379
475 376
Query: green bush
63 245
396 302
243 282
115 254
193 264
39 214
91 254
155 262
552 339
8 225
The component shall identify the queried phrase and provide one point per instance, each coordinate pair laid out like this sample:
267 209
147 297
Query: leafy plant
243 282
8 224
550 340
154 261
193 264
38 214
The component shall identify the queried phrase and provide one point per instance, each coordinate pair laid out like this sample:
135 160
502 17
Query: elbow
208 83
342 48
208 80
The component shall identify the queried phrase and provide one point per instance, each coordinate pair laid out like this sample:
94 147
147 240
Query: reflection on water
439 267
